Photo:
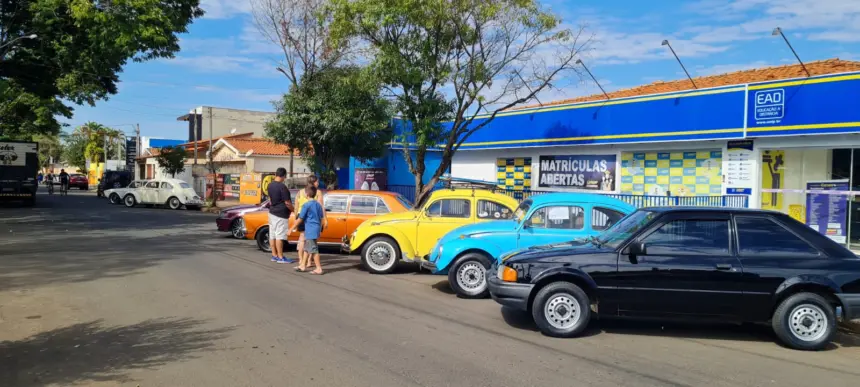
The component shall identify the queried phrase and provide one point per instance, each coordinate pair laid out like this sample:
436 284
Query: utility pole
194 133
136 149
104 167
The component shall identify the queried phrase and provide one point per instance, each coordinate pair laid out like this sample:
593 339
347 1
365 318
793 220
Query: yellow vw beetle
410 235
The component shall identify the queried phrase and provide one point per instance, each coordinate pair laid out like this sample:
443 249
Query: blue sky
225 62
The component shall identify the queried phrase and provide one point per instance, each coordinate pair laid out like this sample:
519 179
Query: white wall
272 163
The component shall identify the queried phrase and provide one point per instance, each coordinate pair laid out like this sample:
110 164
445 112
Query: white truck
19 165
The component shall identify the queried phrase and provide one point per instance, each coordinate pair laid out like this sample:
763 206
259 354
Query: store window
812 185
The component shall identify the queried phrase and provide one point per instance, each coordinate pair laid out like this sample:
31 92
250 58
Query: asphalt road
94 294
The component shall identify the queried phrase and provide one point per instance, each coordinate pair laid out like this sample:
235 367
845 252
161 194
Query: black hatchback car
692 263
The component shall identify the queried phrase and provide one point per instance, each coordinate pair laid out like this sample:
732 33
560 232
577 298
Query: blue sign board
827 208
591 172
770 105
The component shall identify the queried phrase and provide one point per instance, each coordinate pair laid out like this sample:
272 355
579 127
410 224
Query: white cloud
254 67
239 95
831 20
730 68
612 47
224 9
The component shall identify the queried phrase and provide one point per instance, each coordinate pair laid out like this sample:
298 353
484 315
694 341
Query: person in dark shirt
279 215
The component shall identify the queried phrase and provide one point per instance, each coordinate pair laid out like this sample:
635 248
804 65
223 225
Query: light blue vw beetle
466 253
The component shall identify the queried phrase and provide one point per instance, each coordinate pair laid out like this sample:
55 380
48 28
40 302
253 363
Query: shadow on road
91 352
690 330
85 259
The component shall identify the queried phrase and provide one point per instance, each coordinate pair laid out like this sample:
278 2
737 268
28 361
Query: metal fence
638 201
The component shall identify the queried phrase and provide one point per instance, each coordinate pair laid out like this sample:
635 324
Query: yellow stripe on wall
806 82
606 137
805 127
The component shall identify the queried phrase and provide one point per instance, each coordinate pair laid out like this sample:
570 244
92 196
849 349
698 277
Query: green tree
78 53
171 159
461 61
98 138
74 151
336 112
50 149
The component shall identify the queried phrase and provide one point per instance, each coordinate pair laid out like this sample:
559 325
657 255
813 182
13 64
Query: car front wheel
380 255
236 229
263 240
129 201
114 199
805 321
561 309
468 276
174 203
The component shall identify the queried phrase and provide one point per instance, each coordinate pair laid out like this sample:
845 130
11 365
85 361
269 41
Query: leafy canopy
456 61
332 114
80 50
171 159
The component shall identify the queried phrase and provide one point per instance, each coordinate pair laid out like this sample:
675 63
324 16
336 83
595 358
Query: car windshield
404 201
622 230
522 210
184 185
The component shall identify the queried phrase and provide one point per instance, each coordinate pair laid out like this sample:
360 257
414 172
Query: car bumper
850 306
193 202
426 264
223 224
511 294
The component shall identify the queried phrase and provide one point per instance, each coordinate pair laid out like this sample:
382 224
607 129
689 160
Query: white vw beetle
115 195
171 192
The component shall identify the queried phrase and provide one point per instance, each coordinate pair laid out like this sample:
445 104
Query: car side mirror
635 250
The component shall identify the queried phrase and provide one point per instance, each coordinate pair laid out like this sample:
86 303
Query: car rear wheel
380 255
236 229
561 309
129 201
468 276
263 240
805 321
114 199
174 203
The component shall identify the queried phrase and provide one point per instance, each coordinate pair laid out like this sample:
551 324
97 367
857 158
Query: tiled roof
823 67
259 146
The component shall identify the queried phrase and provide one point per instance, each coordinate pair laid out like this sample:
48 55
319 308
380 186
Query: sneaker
288 260
280 260
274 259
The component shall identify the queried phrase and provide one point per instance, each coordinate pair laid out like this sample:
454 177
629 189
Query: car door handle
724 266
341 219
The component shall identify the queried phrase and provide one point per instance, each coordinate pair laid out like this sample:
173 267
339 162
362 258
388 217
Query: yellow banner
772 178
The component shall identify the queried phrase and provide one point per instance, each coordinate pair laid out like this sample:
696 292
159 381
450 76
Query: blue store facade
786 145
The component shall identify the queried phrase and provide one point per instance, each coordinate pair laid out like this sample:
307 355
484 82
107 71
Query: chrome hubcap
129 201
237 229
380 255
808 322
174 203
562 311
471 276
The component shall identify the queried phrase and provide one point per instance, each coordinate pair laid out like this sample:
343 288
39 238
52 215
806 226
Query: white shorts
278 227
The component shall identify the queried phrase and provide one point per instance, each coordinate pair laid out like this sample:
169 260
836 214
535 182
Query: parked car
79 181
466 253
113 179
173 193
345 210
116 195
696 263
230 219
411 235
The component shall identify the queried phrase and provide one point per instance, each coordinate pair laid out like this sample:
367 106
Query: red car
230 219
79 181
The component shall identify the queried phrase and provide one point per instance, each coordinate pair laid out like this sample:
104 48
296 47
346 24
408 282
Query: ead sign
769 104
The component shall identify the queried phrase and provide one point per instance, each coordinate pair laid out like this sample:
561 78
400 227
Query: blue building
781 138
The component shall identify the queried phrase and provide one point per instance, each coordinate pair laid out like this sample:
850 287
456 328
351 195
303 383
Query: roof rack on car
456 182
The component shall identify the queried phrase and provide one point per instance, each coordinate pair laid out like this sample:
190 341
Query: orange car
345 210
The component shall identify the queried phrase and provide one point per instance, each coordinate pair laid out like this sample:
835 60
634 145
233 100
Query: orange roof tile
823 67
260 146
